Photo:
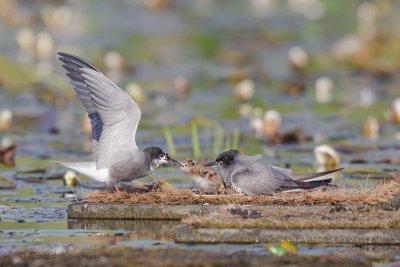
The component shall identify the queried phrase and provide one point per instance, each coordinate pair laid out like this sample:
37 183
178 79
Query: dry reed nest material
277 217
379 194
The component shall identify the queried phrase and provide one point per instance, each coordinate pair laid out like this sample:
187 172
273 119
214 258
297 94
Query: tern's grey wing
281 169
261 179
73 64
113 113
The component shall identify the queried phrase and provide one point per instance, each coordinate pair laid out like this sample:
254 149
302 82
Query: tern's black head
224 159
158 157
154 152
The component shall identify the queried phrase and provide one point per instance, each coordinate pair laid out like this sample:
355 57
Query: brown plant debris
379 194
289 217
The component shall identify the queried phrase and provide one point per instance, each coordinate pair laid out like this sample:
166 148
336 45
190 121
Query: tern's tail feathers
302 186
313 177
88 169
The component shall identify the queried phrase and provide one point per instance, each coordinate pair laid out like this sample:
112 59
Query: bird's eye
227 161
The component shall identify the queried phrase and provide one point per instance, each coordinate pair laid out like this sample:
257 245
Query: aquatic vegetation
70 179
323 90
136 92
6 183
15 77
394 113
244 90
7 155
169 141
272 121
326 156
181 87
298 58
281 249
6 118
220 140
195 141
370 129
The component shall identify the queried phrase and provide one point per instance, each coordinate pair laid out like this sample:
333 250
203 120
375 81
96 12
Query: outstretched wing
114 116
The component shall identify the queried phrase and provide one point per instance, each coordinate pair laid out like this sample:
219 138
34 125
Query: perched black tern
114 117
250 176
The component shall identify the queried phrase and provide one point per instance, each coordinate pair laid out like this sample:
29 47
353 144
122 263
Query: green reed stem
170 142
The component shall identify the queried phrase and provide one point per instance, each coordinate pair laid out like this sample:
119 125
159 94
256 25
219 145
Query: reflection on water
138 229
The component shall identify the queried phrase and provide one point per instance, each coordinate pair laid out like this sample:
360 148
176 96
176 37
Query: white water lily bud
394 114
396 106
244 90
6 117
245 110
136 92
310 9
262 8
327 156
113 60
44 45
6 142
323 90
181 87
86 126
257 125
347 47
367 97
367 13
272 123
256 121
371 128
25 38
70 179
298 57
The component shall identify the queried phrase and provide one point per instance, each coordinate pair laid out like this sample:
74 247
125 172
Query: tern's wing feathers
319 176
282 169
259 178
113 113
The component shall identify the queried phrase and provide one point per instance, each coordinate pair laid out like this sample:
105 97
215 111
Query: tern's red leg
116 189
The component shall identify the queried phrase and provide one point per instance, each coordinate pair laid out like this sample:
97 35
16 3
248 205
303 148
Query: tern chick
114 117
250 176
205 179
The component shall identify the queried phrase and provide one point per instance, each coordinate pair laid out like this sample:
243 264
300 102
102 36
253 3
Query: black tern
250 176
114 117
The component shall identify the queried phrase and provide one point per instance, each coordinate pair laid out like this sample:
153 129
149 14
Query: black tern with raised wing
114 117
250 176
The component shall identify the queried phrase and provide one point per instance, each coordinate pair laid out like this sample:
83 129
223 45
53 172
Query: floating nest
293 217
171 196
